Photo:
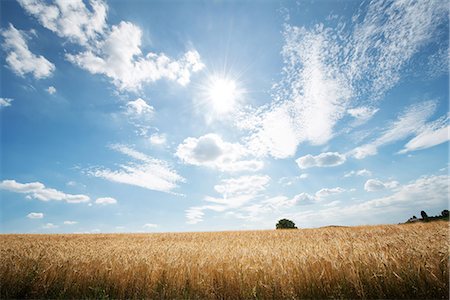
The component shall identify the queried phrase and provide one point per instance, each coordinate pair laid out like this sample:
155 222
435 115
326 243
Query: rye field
386 261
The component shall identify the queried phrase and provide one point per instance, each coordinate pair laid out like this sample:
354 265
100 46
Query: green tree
424 215
286 224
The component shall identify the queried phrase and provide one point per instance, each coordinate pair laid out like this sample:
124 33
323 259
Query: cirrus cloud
147 172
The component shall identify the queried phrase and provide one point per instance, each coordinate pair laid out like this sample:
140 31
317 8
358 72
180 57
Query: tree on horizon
285 224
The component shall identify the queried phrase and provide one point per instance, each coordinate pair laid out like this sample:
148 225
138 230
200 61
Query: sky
162 116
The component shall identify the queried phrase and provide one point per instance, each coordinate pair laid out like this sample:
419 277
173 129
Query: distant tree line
426 218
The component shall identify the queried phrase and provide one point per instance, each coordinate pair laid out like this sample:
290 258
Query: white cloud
389 35
243 184
362 114
211 151
277 204
327 159
235 192
304 199
374 185
150 225
37 190
280 204
241 198
120 58
139 107
325 192
20 59
5 102
140 114
311 98
149 173
432 134
426 191
114 51
35 215
105 201
50 226
287 181
70 222
51 90
408 123
362 172
330 72
194 215
158 139
70 19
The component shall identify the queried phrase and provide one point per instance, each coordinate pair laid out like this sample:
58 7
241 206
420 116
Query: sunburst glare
221 94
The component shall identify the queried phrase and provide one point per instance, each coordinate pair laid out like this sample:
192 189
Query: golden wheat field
388 261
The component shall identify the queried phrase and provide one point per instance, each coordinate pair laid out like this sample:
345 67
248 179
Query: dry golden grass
394 261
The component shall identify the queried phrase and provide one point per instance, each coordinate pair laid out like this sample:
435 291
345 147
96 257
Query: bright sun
222 94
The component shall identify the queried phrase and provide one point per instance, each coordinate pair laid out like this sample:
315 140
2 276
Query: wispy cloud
251 204
235 192
35 215
148 172
140 114
5 102
150 226
281 204
105 201
388 36
211 151
425 191
20 59
408 123
405 200
331 72
37 190
50 226
70 222
430 135
362 172
327 159
362 114
309 101
325 192
287 181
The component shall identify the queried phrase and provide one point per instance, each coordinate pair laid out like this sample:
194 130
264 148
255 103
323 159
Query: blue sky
144 116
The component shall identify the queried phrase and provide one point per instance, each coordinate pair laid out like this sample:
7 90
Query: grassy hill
386 261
